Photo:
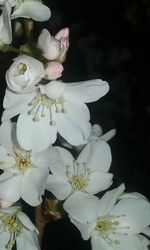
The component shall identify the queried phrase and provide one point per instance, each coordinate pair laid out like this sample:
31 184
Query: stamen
107 225
80 177
41 103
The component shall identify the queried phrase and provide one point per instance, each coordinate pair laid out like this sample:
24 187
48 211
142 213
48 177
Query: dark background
108 40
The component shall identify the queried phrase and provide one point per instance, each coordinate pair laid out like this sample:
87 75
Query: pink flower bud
63 37
54 70
5 204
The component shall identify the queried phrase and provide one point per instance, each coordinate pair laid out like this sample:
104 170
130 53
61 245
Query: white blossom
34 9
95 135
88 173
5 22
17 228
54 107
25 172
111 222
24 74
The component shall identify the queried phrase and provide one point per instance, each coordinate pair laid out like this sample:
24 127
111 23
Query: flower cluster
40 108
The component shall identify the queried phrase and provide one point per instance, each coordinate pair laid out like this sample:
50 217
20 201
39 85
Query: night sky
108 40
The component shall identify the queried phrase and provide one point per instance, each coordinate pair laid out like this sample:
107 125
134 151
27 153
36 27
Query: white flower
5 23
95 135
24 73
55 107
25 173
112 223
34 9
17 228
50 46
88 173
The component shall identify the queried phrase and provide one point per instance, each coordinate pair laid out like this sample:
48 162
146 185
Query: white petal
137 214
4 238
33 185
27 240
12 193
132 195
82 207
70 129
5 25
98 181
85 229
35 136
32 9
6 134
45 158
87 91
26 222
127 242
14 104
147 231
107 202
97 155
77 108
65 156
58 186
98 243
107 136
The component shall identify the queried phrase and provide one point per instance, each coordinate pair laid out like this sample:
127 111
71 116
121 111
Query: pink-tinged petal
58 186
82 207
33 185
5 204
107 202
136 213
27 240
14 104
97 155
87 91
11 194
85 229
98 182
45 158
35 10
35 136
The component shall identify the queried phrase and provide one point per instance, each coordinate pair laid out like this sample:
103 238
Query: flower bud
49 45
63 37
24 74
53 70
5 204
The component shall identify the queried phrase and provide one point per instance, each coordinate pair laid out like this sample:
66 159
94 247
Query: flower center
41 104
80 177
22 158
22 68
109 225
